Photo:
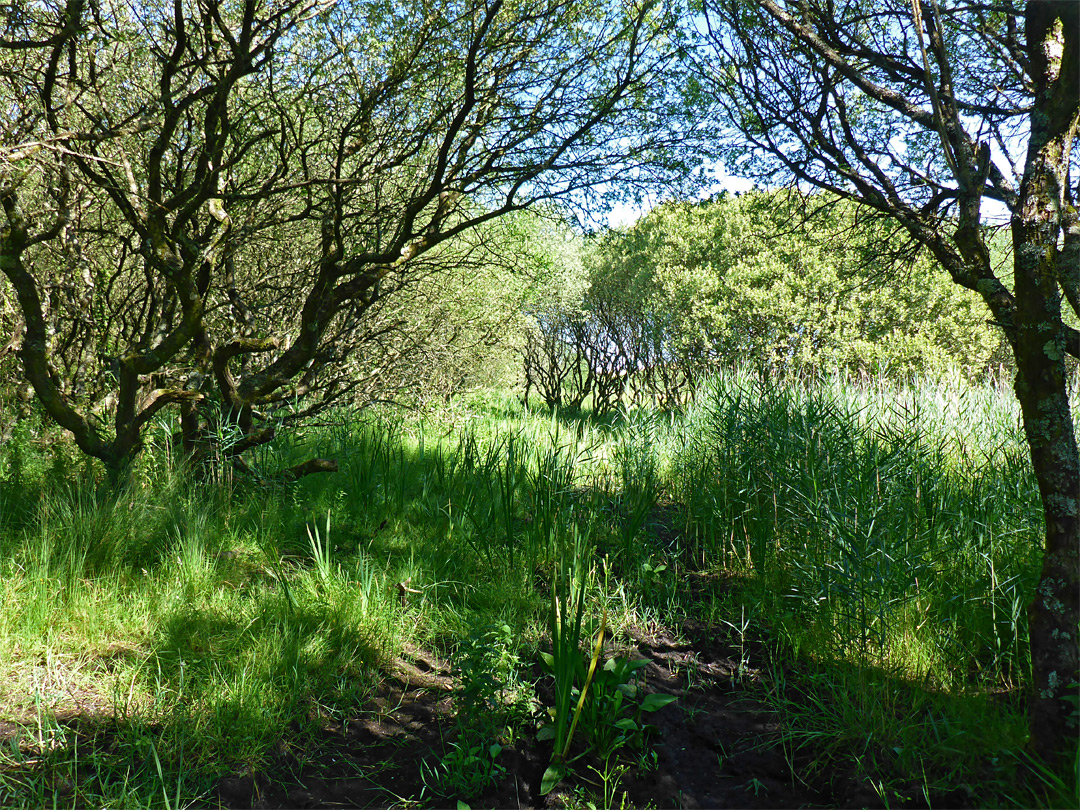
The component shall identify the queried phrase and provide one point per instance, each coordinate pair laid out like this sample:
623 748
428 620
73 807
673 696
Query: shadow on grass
244 663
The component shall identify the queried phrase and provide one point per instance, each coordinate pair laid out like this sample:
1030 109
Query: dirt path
715 747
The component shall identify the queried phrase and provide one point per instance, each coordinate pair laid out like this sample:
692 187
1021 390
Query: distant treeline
784 283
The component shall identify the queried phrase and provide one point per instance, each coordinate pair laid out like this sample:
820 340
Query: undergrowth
885 541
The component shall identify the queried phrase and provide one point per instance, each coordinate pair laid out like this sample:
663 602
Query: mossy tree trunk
1046 248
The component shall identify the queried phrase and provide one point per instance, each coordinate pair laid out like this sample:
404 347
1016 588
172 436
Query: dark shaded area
715 747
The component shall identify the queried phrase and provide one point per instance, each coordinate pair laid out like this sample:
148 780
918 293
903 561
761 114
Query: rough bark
1053 37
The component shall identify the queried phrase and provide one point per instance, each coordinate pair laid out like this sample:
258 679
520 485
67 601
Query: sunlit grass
883 542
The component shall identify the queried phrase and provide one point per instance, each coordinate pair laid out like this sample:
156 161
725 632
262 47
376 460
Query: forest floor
721 743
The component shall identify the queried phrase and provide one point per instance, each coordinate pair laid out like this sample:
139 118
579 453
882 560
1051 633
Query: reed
883 538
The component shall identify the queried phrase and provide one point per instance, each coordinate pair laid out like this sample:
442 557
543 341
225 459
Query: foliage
467 769
737 277
487 665
490 704
566 613
606 708
862 511
210 208
458 325
692 286
879 541
554 365
615 708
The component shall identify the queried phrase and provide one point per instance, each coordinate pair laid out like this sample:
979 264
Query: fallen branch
312 465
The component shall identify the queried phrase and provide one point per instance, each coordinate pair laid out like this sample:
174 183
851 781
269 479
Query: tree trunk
1039 344
1054 613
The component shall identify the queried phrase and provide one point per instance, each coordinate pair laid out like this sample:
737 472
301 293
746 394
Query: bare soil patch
716 747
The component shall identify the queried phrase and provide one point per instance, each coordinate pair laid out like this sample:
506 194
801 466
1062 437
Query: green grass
878 525
885 541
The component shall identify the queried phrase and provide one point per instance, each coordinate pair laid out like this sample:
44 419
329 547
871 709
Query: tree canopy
204 200
743 279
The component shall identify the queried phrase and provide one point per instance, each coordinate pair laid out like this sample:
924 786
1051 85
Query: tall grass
181 628
878 522
885 538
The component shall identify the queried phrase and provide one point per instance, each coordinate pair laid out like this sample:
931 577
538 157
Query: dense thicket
768 280
208 205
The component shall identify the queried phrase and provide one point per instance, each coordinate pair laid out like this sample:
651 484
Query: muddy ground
717 746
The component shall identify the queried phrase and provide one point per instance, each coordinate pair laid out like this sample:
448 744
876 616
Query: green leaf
552 776
655 701
462 806
624 668
626 724
495 750
546 733
548 659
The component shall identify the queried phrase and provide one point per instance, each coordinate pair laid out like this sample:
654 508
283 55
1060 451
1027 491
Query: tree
457 321
736 276
206 202
922 111
692 285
